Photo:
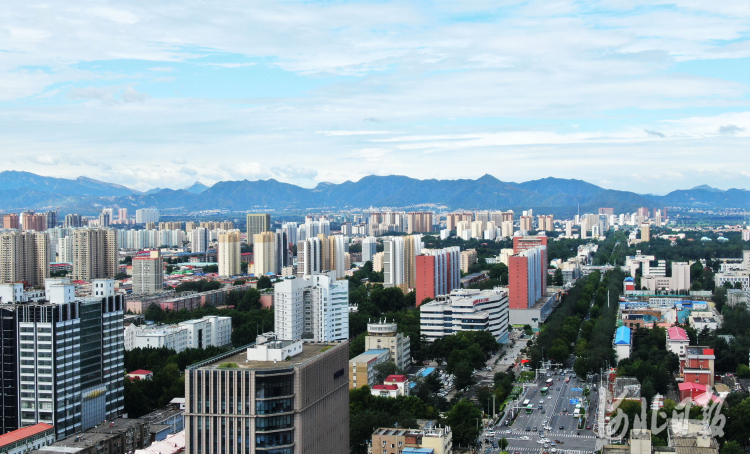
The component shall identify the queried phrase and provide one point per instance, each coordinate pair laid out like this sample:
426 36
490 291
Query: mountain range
24 190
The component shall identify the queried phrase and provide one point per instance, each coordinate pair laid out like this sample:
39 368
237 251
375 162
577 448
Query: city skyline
628 96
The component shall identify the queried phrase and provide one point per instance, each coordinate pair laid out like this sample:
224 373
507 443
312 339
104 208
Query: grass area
228 366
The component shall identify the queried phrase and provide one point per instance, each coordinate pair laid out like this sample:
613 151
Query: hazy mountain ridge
22 190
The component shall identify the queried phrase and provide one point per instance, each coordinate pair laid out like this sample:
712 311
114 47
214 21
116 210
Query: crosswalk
539 449
550 434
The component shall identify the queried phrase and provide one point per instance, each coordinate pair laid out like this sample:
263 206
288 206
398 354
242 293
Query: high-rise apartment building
122 215
146 215
527 276
33 221
312 307
50 219
257 223
393 262
412 248
24 257
468 258
438 272
104 219
419 222
369 248
199 240
546 222
72 220
309 257
229 253
11 221
526 223
645 232
452 219
507 229
94 254
377 262
70 360
264 253
148 272
278 397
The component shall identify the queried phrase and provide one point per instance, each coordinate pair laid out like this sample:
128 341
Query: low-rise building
362 367
677 340
165 422
697 365
141 374
429 438
393 385
466 310
703 320
622 342
114 437
27 439
208 331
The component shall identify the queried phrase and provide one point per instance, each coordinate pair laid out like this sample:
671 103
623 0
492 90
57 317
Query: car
559 442
558 388
539 407
534 428
565 410
562 427
528 428
588 427
544 411
517 452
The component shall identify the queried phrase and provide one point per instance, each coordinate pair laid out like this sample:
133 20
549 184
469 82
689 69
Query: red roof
708 351
396 378
691 386
386 387
677 333
140 372
22 433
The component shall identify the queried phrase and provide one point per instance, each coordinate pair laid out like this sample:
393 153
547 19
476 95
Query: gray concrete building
277 396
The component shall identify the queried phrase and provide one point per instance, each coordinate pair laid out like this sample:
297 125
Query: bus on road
530 408
544 391
549 382
526 402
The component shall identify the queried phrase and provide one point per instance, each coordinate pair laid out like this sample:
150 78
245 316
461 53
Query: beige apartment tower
419 222
229 253
278 396
148 272
24 257
264 253
257 223
94 254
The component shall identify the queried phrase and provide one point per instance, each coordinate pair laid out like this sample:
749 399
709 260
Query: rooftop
238 358
622 335
24 432
677 333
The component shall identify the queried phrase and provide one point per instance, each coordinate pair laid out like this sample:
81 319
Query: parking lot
553 422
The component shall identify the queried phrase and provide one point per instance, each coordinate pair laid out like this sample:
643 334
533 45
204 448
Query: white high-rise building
466 310
338 244
369 248
507 228
393 262
146 215
198 239
229 253
312 307
309 257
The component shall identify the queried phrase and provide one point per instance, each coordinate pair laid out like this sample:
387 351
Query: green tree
558 279
732 447
264 282
503 443
384 369
743 371
462 419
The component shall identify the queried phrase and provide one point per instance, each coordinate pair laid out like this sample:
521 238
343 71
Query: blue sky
631 95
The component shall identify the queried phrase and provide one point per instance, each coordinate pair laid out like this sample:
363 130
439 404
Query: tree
357 346
264 282
558 279
121 275
462 419
384 369
743 371
581 366
732 447
503 443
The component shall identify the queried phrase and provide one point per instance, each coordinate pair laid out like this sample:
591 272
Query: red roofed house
697 365
34 437
690 390
393 385
677 340
140 374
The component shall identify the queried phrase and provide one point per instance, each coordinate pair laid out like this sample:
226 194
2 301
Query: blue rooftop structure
427 371
418 451
622 336
629 279
376 351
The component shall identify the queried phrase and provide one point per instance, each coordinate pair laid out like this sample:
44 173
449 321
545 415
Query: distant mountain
196 188
562 197
708 188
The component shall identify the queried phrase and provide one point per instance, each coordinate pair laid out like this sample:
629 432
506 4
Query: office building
50 219
384 335
468 258
312 307
257 223
148 272
94 254
229 253
430 438
283 251
73 220
298 391
264 253
70 359
419 222
11 221
466 310
438 272
362 367
369 248
527 277
146 215
33 221
24 257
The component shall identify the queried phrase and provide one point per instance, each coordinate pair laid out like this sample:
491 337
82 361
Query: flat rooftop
239 357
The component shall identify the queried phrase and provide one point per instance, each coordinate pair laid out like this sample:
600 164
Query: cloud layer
632 95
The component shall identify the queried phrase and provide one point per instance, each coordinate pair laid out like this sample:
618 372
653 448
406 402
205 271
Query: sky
632 95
